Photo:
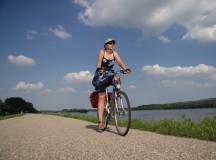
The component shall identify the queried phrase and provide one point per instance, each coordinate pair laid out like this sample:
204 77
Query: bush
16 105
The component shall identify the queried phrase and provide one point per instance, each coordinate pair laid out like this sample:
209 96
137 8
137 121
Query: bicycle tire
126 123
105 119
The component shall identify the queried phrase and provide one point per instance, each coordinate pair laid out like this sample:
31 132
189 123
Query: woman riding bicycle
105 62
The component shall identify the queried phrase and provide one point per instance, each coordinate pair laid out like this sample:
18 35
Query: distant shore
203 103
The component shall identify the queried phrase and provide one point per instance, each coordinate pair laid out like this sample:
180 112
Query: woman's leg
101 100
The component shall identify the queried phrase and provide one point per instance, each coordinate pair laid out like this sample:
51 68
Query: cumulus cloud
60 32
153 17
78 76
178 70
30 34
67 90
183 84
29 86
21 60
204 34
164 39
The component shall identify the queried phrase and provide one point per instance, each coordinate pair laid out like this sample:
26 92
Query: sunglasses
110 43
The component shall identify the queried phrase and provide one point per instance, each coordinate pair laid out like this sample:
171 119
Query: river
153 115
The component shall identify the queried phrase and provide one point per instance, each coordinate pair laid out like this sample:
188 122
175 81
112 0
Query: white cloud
205 34
29 86
21 60
67 90
60 32
153 17
83 3
78 76
30 34
183 84
164 39
178 70
132 87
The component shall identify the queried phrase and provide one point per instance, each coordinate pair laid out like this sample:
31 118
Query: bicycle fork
107 102
121 107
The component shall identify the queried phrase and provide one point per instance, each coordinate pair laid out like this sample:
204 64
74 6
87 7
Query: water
193 114
154 115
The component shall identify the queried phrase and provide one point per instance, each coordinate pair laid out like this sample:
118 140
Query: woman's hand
100 71
126 71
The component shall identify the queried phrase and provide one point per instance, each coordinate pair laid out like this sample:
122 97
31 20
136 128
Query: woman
106 58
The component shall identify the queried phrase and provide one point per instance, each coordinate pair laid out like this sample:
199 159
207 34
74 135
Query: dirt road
46 137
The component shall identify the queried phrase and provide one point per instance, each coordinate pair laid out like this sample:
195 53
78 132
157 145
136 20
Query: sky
49 49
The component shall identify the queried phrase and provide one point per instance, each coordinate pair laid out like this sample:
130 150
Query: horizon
93 109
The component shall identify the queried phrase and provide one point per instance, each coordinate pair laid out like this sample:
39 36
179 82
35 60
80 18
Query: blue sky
48 49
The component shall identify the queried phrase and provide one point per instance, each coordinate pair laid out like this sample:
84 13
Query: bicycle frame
116 87
114 93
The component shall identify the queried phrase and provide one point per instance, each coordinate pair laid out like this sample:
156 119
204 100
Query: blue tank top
108 64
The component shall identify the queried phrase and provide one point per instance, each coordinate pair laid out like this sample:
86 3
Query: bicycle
118 107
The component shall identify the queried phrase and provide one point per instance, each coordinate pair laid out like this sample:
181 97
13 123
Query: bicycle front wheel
106 118
122 113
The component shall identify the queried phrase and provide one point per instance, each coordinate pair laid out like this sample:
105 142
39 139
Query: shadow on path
94 127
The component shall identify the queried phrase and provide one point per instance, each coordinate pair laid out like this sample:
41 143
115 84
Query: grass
204 129
184 127
11 116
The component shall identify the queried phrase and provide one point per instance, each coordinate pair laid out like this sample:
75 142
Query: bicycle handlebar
127 71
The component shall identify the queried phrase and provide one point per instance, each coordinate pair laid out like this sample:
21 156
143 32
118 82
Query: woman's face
109 45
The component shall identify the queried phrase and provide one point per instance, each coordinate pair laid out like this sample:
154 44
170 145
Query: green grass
79 116
11 116
204 129
184 127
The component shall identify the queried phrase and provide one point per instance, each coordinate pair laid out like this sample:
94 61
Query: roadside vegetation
15 106
184 127
74 110
204 129
11 116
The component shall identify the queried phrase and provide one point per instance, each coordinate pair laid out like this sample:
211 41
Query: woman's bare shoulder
115 53
101 52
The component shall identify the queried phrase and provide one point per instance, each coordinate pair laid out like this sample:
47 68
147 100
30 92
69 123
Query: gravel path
47 137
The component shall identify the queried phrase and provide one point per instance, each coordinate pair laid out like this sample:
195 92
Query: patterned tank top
108 64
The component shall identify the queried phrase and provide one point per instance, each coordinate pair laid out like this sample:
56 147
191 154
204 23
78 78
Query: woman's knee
101 96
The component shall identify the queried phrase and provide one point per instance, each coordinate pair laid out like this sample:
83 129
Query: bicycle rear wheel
122 113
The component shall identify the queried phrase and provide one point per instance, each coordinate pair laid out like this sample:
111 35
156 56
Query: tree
3 108
17 105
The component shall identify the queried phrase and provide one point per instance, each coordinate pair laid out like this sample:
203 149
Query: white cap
109 40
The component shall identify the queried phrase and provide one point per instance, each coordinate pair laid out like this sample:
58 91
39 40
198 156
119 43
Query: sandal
100 127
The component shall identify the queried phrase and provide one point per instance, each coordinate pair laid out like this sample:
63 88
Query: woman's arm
119 61
100 57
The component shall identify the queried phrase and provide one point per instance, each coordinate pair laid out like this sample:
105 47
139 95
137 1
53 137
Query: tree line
204 103
14 105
